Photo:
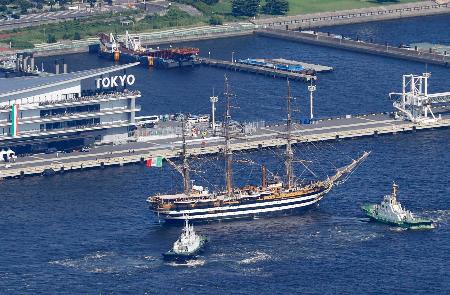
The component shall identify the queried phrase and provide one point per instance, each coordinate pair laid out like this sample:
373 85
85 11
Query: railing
92 98
74 115
197 31
38 132
374 12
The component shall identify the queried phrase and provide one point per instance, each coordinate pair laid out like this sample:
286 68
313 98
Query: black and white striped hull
245 210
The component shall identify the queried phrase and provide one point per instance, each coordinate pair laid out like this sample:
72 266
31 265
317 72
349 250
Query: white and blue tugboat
390 211
187 247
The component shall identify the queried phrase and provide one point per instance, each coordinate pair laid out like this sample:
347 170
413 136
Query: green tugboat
391 212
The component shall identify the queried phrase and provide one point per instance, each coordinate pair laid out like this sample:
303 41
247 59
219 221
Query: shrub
51 38
216 20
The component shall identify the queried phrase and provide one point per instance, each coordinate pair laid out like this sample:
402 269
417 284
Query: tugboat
187 247
391 212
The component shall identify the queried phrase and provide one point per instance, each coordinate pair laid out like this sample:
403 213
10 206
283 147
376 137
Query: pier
315 67
268 136
240 67
353 16
323 39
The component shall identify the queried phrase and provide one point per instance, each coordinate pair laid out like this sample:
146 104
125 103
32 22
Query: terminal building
68 110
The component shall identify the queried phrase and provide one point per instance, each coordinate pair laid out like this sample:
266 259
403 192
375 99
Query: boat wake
189 263
256 257
106 262
439 216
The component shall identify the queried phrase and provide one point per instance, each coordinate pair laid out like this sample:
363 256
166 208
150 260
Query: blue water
92 232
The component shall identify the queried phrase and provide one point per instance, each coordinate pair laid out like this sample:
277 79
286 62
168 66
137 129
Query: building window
70 110
73 124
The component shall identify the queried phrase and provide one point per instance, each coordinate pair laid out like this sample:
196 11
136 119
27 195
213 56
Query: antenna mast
228 151
185 168
289 153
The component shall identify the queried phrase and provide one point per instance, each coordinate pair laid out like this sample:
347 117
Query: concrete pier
235 66
323 39
268 136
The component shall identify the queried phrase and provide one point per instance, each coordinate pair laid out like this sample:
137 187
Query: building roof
14 86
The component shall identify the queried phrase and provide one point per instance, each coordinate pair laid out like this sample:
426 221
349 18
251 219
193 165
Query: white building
37 112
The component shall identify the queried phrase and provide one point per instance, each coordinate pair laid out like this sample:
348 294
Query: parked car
203 118
85 149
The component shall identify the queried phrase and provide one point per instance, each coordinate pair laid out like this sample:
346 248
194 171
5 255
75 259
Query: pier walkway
323 39
269 136
352 16
240 67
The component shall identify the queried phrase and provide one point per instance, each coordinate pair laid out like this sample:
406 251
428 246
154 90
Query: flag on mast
154 162
14 120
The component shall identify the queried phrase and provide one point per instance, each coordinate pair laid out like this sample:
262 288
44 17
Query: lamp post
311 89
213 99
232 57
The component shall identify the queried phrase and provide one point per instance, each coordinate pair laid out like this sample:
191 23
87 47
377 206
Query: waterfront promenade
269 136
353 16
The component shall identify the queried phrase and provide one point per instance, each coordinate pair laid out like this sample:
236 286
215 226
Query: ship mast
185 167
228 152
289 153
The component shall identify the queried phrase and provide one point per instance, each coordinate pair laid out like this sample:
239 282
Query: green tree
51 38
216 20
245 7
76 36
276 7
51 3
210 2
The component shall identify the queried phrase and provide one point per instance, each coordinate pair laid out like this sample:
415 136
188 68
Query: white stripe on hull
247 209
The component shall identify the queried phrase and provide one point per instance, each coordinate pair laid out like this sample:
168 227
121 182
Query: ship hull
171 256
244 211
416 224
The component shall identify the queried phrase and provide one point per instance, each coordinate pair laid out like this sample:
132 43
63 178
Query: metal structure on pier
414 103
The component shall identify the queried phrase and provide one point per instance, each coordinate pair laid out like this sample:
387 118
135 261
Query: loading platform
241 67
329 40
317 68
268 136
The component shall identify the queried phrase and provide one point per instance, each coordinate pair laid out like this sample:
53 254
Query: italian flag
154 162
14 120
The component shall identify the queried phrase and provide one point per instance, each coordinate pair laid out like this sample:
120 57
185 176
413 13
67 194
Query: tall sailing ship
197 203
